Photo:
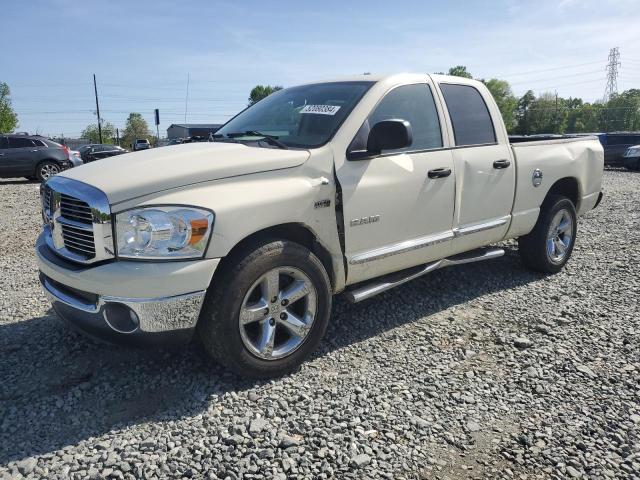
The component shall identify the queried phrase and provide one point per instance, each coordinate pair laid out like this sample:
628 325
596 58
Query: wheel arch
294 232
568 187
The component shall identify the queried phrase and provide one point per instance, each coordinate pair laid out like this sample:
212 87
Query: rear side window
38 143
17 142
4 143
415 104
472 124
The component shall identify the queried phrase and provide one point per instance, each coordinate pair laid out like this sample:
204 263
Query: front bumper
134 303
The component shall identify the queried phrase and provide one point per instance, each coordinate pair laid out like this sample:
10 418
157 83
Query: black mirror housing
389 135
385 135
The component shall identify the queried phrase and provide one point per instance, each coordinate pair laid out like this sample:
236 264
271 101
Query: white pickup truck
354 185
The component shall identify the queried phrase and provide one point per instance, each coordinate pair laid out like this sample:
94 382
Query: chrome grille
79 240
46 201
74 209
77 220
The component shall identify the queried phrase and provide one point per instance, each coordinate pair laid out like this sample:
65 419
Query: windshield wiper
271 139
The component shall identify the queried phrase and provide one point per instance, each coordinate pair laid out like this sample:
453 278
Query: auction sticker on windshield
320 109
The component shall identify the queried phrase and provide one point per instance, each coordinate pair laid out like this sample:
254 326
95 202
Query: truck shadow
58 388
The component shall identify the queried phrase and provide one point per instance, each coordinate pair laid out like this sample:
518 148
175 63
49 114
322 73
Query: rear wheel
548 247
268 312
47 169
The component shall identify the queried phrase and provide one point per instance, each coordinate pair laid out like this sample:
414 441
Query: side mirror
385 135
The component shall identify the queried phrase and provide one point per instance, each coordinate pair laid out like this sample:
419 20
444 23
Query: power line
549 69
579 74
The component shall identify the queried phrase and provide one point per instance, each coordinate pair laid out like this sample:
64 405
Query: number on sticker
320 109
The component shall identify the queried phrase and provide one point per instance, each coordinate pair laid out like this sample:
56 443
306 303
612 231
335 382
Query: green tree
261 91
459 71
136 127
8 118
507 102
91 133
622 112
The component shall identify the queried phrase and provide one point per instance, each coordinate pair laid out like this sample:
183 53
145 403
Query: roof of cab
399 77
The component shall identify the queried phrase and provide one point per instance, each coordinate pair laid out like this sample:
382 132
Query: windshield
305 116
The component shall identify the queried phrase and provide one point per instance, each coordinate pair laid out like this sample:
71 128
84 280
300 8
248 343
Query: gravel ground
480 371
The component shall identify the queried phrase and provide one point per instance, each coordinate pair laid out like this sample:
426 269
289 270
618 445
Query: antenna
186 100
612 74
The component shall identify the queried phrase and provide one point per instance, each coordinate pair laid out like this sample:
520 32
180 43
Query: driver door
398 206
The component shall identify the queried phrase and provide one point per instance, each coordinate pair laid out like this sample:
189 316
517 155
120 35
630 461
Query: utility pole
95 89
118 136
556 115
612 74
186 100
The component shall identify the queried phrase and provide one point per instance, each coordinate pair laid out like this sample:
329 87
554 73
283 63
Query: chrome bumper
126 320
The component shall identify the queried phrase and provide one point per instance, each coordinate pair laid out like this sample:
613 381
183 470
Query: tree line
135 127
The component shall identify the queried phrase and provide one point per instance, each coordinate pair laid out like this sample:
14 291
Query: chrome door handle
439 172
498 164
34 150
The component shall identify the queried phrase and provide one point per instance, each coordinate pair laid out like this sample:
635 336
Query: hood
134 174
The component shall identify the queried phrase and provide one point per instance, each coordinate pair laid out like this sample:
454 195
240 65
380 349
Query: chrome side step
393 280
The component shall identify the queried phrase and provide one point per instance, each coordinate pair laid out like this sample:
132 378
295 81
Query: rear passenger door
485 174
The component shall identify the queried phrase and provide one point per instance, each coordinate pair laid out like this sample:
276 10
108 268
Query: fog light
121 318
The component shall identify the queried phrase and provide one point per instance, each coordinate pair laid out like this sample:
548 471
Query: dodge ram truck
351 186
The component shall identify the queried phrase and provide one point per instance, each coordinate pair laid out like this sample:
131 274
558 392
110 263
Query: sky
143 51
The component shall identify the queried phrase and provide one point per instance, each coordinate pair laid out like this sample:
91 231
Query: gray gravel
481 371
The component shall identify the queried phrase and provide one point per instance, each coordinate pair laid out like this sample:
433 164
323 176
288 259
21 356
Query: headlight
163 232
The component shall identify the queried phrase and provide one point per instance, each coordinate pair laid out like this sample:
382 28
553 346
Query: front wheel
548 247
265 314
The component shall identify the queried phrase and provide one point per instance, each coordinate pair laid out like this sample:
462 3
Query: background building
184 130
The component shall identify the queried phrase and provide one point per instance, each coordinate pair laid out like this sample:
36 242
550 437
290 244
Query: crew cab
351 186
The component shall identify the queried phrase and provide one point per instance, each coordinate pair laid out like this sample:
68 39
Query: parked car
97 151
351 186
75 158
31 156
140 144
632 158
616 144
175 141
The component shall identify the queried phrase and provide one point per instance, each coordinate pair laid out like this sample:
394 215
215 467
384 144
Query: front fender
247 204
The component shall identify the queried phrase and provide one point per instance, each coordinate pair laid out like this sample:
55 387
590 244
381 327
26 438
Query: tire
543 252
46 170
234 326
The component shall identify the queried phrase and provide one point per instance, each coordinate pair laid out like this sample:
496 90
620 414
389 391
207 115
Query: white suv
141 144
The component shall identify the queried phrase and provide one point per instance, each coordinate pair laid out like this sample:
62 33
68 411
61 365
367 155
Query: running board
393 280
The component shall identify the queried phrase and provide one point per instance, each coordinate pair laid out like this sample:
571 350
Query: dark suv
97 151
31 156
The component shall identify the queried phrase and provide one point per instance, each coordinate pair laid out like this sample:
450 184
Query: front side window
3 143
415 104
305 117
472 124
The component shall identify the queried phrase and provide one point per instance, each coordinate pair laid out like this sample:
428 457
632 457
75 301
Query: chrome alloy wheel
277 313
48 170
560 236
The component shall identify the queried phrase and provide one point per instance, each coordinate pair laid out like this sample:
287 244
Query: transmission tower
612 74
